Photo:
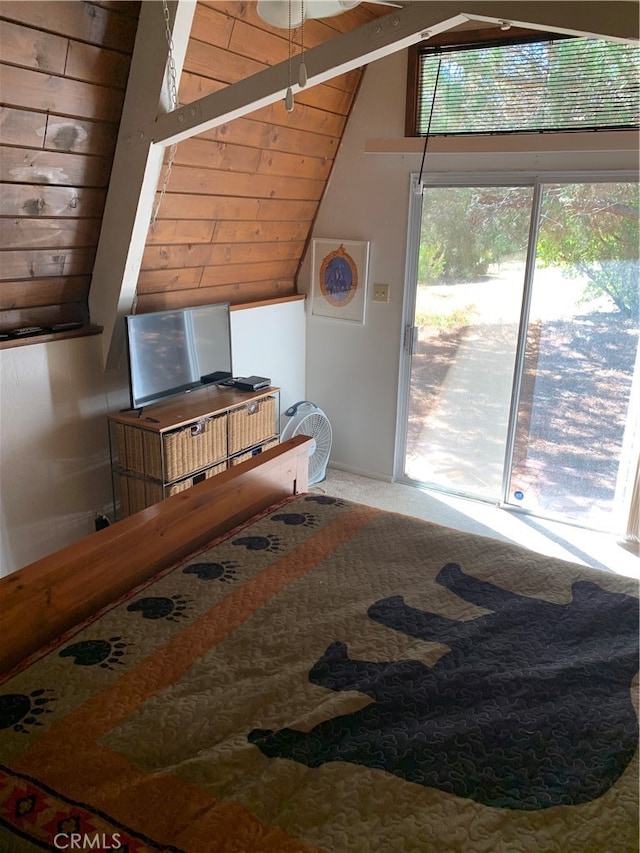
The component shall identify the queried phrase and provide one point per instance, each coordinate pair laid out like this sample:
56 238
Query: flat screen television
173 352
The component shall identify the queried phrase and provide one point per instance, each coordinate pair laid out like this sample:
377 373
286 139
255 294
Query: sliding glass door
521 344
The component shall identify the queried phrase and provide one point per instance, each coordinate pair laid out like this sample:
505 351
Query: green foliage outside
466 229
588 230
592 231
456 319
524 87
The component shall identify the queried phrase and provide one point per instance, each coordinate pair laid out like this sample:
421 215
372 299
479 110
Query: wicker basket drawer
251 424
186 450
254 451
130 444
137 493
193 447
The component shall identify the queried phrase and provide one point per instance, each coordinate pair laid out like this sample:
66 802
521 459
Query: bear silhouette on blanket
530 708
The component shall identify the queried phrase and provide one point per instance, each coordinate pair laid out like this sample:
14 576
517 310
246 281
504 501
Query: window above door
524 85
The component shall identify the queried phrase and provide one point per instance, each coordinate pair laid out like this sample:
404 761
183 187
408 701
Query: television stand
175 444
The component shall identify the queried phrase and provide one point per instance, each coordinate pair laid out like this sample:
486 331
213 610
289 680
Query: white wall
352 370
54 444
270 341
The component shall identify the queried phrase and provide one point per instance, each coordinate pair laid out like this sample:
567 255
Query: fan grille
316 426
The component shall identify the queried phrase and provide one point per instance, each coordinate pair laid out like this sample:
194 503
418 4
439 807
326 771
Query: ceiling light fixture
276 12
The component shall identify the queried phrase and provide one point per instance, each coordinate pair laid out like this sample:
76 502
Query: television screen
171 352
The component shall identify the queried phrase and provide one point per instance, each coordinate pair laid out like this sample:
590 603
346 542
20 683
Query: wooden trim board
46 598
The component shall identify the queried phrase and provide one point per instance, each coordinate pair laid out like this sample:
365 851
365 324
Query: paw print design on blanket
102 653
223 572
20 711
530 708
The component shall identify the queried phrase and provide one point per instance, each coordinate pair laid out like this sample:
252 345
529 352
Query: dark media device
252 383
172 352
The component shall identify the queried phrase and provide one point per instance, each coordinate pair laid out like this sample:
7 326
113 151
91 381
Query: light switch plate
380 292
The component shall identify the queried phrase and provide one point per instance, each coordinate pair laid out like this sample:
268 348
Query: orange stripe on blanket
124 798
95 773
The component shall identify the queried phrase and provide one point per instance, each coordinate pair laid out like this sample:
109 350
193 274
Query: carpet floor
575 544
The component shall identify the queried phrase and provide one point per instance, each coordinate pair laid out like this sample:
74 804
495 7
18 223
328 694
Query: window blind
536 86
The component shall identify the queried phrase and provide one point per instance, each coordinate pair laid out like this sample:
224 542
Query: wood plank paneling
211 154
158 281
323 97
43 291
96 65
80 137
226 231
50 132
230 208
223 254
64 69
209 60
241 198
48 233
265 46
294 165
315 31
211 26
259 178
194 86
79 20
177 205
241 274
131 8
181 231
32 90
212 182
25 200
42 263
199 153
261 232
275 138
238 293
21 127
302 118
32 48
26 166
44 316
276 209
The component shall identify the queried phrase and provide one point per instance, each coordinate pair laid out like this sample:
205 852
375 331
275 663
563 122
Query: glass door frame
408 341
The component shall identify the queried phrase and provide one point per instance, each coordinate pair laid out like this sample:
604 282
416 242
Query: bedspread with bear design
332 677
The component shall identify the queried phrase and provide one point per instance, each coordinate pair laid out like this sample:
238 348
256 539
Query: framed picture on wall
340 270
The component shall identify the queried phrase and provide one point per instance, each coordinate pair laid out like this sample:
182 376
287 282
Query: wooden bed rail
46 598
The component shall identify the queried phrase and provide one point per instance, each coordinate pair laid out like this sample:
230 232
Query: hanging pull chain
173 97
302 71
288 98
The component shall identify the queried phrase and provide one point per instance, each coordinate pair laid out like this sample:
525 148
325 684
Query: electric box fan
305 418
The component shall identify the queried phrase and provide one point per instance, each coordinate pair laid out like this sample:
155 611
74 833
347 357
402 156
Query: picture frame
340 269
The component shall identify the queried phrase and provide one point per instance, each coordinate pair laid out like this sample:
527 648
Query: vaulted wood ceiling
240 199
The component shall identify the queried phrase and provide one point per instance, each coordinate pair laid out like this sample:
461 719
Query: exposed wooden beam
615 20
144 134
136 170
396 31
